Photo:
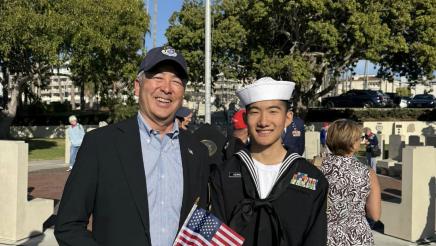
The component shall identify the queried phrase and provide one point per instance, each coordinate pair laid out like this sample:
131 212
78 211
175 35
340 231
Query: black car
355 98
422 101
396 99
388 102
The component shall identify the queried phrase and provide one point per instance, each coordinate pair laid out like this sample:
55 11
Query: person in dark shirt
294 138
323 138
371 143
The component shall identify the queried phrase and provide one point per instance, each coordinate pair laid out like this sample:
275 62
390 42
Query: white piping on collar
248 161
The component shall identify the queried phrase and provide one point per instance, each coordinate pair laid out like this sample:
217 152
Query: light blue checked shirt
164 176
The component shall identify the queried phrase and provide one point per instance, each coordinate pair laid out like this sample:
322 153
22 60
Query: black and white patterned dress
349 187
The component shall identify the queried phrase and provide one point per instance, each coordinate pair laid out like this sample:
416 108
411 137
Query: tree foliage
99 40
186 33
310 42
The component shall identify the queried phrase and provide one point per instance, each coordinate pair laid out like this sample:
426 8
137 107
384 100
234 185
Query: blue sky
166 8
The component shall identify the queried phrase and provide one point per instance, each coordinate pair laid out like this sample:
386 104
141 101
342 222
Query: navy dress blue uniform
294 139
293 214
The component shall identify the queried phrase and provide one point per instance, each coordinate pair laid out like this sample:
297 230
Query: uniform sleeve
217 198
316 233
77 201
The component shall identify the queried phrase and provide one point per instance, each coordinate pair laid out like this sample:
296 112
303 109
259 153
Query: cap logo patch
169 52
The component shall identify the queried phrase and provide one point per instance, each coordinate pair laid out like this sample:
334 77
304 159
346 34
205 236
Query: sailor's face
266 121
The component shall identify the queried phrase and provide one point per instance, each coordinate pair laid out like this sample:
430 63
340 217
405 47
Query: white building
60 88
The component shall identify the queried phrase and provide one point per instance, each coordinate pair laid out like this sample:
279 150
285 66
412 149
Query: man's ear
289 117
137 87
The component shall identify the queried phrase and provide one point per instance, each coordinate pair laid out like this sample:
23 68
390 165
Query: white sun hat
265 88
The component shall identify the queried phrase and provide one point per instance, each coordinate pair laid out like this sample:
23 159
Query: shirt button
148 140
163 230
162 202
162 176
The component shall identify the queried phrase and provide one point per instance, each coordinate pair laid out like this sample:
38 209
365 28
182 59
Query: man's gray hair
141 77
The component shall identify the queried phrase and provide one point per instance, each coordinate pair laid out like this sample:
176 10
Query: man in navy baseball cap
136 170
164 54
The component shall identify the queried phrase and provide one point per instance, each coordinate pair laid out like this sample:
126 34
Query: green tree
103 40
411 51
99 40
186 33
310 42
29 43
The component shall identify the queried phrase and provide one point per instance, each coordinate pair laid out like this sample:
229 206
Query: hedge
55 119
313 115
379 114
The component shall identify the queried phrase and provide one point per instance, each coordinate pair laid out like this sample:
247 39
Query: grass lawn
46 148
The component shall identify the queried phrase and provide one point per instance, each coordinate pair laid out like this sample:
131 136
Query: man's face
266 121
160 94
73 122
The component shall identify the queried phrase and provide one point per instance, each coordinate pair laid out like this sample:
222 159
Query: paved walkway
42 165
47 179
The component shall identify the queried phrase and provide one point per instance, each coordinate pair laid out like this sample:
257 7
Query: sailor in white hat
267 194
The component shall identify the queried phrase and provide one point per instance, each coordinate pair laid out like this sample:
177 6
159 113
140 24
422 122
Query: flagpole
207 67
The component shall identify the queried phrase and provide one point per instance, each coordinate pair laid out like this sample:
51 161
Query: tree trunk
8 114
73 96
5 83
5 124
82 95
61 91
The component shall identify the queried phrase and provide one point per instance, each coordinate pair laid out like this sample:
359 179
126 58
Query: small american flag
201 228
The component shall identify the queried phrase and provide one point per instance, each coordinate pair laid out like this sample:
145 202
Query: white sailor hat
265 88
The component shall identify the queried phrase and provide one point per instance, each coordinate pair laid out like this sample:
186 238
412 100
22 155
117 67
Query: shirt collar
143 125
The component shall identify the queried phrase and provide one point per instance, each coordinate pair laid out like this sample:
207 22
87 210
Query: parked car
422 101
397 100
387 100
355 98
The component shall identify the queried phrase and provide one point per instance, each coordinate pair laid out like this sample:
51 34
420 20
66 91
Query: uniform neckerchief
251 206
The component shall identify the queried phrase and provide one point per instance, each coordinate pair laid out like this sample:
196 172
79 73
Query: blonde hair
72 118
342 135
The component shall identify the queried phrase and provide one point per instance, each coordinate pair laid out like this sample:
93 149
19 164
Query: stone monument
414 218
19 217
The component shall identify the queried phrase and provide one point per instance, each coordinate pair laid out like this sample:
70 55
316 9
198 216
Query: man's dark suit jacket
108 181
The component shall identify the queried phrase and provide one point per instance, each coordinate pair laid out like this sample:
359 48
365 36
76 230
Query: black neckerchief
252 206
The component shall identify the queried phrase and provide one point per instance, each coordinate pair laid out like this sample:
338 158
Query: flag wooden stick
187 219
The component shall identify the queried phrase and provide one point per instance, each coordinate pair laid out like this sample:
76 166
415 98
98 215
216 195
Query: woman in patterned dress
354 190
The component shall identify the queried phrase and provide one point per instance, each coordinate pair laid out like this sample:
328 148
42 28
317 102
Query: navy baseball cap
183 112
164 54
